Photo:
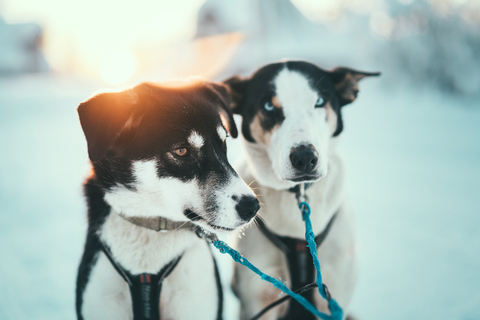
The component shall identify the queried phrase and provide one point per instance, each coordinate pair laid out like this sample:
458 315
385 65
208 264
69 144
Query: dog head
161 151
290 111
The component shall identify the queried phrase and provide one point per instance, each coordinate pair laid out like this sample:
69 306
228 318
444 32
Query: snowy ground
414 179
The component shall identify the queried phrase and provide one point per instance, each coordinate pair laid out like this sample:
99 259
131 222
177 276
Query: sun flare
119 69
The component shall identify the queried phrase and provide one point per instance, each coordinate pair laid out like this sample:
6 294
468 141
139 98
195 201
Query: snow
412 153
42 212
414 175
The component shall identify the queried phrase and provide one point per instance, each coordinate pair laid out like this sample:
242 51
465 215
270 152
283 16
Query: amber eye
180 152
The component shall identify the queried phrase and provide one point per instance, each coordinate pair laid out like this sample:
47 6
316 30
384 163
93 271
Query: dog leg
106 296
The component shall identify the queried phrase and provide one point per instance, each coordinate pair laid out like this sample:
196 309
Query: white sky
87 34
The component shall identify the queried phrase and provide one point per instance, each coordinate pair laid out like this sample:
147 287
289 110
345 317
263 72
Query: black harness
300 264
144 288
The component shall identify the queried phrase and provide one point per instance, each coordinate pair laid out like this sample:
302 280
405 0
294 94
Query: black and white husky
291 120
159 162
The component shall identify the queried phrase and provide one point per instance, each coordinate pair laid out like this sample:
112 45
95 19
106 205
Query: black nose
304 158
247 207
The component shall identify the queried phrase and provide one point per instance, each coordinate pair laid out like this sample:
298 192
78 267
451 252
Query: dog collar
160 224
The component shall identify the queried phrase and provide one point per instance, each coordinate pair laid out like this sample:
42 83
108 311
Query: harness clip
204 234
300 194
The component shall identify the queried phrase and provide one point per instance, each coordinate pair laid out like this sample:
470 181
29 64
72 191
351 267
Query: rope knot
305 208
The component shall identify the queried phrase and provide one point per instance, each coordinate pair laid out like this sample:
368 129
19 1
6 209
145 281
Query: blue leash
237 257
336 311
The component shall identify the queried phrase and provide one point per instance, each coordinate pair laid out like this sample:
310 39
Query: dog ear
346 83
236 86
225 112
103 117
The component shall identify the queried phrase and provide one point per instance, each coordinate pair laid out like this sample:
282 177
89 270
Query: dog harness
300 266
145 288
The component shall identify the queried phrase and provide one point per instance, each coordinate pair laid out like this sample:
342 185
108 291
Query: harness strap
278 240
283 299
144 288
300 266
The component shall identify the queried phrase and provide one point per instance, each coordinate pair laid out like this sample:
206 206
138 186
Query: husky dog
160 172
291 120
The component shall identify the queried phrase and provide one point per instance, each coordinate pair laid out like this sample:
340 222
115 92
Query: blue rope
337 312
237 257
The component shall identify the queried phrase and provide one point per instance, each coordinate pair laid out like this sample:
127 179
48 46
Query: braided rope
336 311
237 257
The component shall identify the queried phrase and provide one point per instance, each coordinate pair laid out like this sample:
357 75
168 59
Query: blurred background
411 140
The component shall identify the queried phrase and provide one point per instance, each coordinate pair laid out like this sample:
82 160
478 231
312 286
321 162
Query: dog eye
320 102
181 152
269 106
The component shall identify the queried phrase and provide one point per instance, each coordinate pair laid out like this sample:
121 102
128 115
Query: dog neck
141 250
282 213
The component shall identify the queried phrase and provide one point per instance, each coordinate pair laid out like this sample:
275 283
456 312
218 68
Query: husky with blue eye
160 174
291 120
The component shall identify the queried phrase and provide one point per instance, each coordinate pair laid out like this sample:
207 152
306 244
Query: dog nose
304 158
247 207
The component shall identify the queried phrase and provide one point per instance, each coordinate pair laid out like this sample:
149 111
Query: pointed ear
346 83
103 117
225 113
236 86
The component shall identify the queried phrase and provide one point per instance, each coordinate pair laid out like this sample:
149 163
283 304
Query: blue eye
269 106
320 102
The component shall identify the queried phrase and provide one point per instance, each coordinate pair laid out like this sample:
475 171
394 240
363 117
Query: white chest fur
140 250
282 215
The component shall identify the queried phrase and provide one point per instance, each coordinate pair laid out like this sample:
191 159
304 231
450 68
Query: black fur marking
160 119
269 119
191 215
148 122
250 94
219 291
98 210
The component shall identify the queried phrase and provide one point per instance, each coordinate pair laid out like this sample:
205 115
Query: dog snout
247 207
304 158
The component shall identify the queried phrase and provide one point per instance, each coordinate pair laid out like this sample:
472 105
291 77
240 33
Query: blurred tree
20 46
274 29
437 43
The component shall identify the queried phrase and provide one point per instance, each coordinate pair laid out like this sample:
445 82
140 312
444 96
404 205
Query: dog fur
292 110
158 150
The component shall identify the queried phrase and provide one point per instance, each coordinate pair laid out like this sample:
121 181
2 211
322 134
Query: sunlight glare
118 69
